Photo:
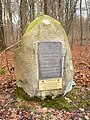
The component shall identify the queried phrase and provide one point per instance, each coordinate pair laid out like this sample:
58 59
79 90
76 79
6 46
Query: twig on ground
7 61
83 62
5 51
9 47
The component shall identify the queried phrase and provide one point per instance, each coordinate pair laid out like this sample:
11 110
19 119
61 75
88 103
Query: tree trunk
1 29
33 9
45 6
10 37
59 9
87 25
69 18
23 15
81 21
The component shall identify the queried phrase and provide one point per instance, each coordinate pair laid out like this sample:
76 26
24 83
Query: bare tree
1 29
18 14
87 24
23 15
45 6
9 28
81 21
59 9
69 14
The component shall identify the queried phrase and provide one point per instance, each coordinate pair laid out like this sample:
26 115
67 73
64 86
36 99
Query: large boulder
43 29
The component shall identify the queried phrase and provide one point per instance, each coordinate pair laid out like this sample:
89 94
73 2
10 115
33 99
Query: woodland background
74 15
15 15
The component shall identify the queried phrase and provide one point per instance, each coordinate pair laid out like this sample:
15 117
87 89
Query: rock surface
42 29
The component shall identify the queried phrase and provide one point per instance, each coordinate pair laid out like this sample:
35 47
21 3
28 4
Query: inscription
50 84
50 59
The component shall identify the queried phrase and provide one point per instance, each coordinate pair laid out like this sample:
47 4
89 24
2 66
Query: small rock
86 117
81 109
68 99
44 110
80 118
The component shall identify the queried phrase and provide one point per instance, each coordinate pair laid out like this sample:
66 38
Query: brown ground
81 61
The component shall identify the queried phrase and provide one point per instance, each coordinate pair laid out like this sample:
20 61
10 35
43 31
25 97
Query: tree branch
83 62
10 47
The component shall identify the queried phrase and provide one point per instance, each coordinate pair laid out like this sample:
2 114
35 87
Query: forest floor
74 106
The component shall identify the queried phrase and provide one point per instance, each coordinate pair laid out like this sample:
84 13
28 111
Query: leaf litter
12 108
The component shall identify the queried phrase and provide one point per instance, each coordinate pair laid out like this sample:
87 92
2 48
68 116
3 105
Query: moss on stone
19 92
38 21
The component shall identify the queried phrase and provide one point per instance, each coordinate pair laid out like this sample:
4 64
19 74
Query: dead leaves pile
81 61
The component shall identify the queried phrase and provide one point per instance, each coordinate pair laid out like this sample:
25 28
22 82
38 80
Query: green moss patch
38 21
2 71
20 93
77 98
58 103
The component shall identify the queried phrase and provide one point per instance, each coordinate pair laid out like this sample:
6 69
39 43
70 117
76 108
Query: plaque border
38 57
50 84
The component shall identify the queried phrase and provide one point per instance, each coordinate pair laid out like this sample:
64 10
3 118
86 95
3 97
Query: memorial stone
43 63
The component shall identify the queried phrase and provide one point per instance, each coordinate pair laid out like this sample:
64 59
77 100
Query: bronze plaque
50 60
50 84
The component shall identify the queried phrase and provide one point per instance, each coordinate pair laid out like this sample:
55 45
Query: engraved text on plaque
50 60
